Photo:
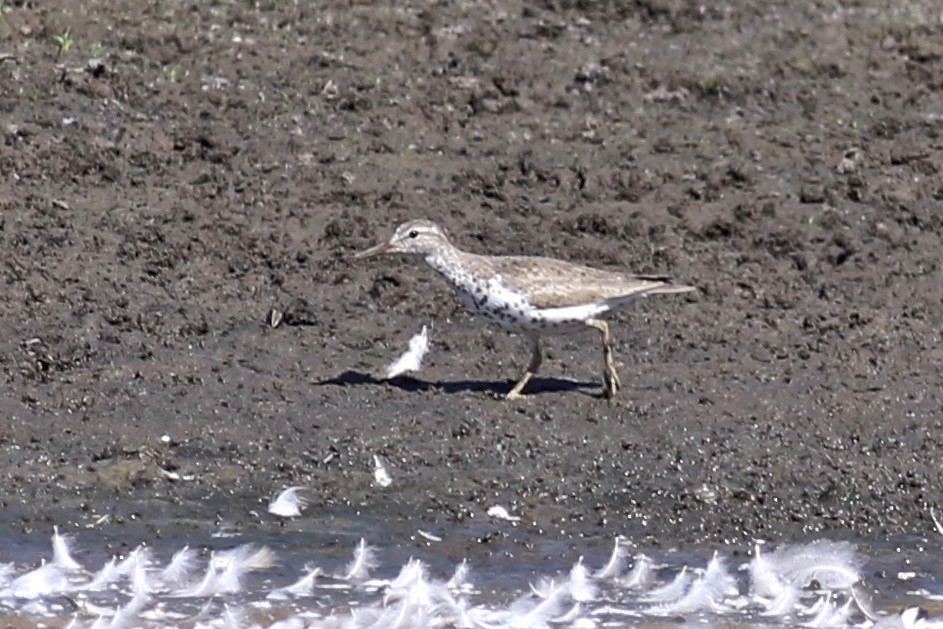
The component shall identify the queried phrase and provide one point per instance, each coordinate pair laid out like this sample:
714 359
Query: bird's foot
612 383
518 391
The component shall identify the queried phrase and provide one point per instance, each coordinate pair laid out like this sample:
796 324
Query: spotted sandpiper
530 295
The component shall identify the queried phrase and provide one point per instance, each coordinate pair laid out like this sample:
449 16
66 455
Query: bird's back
551 283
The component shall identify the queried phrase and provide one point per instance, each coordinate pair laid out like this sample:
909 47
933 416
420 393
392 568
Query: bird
533 296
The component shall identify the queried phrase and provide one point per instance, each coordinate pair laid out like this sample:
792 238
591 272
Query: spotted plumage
531 295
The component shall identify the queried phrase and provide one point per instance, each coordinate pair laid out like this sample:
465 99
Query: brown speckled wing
550 283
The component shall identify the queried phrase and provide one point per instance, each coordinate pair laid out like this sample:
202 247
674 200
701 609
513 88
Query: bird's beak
373 251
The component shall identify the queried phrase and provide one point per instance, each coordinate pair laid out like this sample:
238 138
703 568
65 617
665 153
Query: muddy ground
173 172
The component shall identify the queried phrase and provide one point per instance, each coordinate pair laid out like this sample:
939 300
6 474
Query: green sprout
64 41
713 86
170 73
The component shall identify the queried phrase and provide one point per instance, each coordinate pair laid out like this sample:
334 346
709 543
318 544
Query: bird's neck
452 264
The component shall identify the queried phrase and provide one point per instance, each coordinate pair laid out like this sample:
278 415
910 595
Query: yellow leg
535 359
610 377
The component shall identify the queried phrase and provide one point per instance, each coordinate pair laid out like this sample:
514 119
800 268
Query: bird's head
416 237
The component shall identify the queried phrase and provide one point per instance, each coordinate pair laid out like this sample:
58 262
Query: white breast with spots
491 298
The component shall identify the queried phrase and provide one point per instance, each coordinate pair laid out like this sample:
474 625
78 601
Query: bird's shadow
409 383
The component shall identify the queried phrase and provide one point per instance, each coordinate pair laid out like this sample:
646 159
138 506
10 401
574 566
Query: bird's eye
414 234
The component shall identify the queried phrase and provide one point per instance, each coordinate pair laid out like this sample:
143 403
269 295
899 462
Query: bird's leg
610 377
535 359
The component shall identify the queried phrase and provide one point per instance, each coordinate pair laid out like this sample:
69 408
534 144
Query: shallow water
507 565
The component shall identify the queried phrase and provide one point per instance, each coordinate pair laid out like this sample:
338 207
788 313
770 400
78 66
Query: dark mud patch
182 170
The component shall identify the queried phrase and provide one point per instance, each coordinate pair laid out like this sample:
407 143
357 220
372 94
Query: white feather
415 593
527 614
127 616
62 554
829 614
545 588
707 593
412 358
936 521
640 575
500 513
459 580
226 569
616 564
672 591
833 564
208 586
302 587
288 504
412 572
380 474
568 617
108 574
180 567
47 580
140 585
139 556
579 585
363 562
783 604
764 582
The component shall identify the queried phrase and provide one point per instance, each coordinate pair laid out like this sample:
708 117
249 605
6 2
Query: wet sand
182 171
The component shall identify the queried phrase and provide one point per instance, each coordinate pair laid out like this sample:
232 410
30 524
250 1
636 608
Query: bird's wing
551 283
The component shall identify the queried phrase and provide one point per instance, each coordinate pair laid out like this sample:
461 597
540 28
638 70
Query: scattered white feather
137 557
288 504
908 618
302 587
102 579
568 617
62 554
140 585
778 584
765 583
936 521
127 616
380 474
708 593
364 561
413 572
831 615
864 601
47 580
526 612
227 568
180 568
672 591
784 603
412 358
428 536
545 588
640 576
460 578
500 513
579 585
617 561
833 564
